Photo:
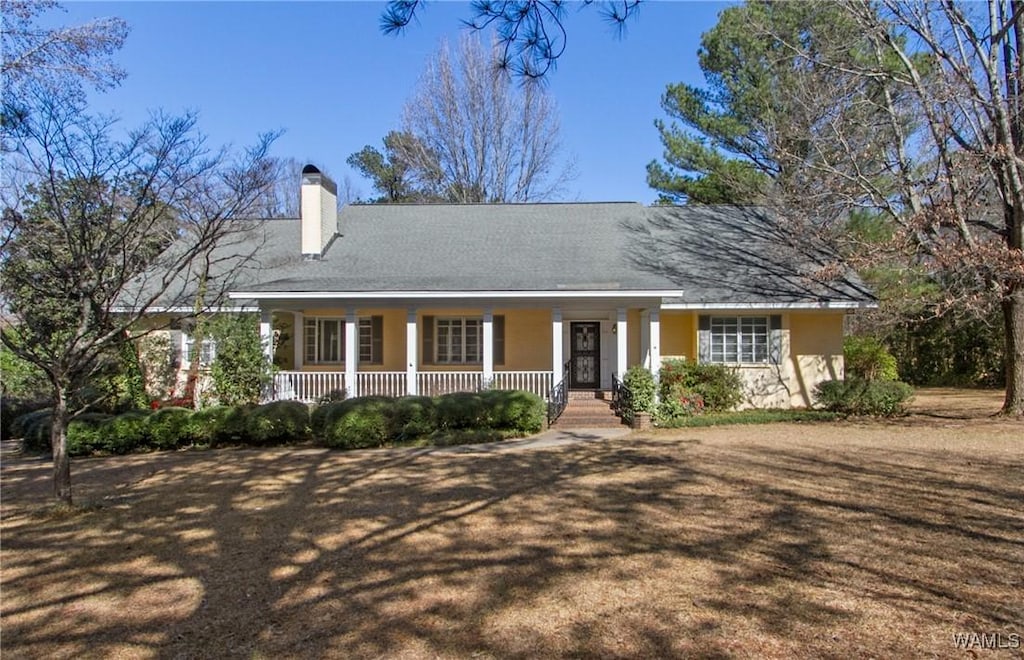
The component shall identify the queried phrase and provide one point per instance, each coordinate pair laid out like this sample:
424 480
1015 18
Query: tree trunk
59 445
1013 319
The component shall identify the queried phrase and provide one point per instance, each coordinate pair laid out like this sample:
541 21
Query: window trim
768 340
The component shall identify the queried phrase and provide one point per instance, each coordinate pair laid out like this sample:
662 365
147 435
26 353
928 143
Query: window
739 339
324 340
207 350
459 340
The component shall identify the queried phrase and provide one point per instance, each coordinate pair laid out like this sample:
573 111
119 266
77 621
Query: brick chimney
318 211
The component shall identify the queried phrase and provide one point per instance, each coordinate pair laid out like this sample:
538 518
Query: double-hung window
739 339
459 340
207 350
324 340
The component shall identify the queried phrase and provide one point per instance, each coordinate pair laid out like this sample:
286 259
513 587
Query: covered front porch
434 349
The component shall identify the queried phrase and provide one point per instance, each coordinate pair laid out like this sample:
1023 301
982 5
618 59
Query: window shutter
498 327
174 356
775 338
341 333
377 339
704 338
428 340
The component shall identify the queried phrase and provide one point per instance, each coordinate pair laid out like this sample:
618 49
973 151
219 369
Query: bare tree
482 138
111 231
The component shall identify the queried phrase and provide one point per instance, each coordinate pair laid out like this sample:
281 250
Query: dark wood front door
585 355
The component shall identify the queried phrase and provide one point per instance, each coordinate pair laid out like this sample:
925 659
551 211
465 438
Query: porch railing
307 386
622 400
313 386
538 382
558 397
435 383
381 383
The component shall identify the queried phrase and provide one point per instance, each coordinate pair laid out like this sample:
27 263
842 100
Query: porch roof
689 255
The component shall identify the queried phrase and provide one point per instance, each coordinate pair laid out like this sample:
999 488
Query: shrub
720 387
462 410
515 410
208 426
276 422
357 423
867 358
679 402
126 432
411 417
640 383
333 396
168 428
240 369
85 434
34 428
884 398
11 408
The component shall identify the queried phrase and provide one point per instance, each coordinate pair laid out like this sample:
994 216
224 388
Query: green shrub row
883 398
378 421
170 428
354 423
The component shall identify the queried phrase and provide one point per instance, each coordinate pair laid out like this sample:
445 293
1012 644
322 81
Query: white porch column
488 374
267 334
645 339
299 339
621 345
556 344
351 351
655 329
410 351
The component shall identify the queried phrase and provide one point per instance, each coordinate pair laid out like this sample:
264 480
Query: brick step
594 395
583 412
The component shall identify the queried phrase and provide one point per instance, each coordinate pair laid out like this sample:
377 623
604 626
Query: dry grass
817 540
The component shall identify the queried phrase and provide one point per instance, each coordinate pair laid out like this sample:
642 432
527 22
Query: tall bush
240 369
867 358
718 386
640 382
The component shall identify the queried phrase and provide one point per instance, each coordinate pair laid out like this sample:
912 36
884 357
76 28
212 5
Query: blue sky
325 74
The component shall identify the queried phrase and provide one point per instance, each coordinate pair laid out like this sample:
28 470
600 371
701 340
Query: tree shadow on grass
626 548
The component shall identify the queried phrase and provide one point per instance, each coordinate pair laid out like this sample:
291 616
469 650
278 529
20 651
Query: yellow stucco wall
633 330
527 340
678 335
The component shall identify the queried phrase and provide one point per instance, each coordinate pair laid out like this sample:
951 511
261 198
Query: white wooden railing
311 386
435 383
307 386
538 382
381 383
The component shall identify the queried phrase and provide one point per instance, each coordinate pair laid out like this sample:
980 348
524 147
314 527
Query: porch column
655 329
351 351
267 334
556 344
488 374
621 345
410 351
298 339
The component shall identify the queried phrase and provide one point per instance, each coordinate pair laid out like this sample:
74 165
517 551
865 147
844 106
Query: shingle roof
712 254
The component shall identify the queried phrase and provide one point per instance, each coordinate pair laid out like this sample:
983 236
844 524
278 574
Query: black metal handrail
558 399
622 400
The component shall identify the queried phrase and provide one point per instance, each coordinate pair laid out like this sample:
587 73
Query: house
426 299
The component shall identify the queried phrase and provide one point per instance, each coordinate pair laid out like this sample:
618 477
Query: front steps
588 409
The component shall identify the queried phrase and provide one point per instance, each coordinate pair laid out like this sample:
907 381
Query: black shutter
498 329
377 340
775 339
704 338
428 340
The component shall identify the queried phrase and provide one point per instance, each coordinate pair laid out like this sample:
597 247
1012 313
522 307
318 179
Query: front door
585 355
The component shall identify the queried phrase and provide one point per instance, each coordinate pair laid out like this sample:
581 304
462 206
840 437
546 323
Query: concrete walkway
551 438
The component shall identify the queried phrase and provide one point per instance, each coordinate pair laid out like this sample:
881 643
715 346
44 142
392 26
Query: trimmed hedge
277 422
719 386
882 398
472 416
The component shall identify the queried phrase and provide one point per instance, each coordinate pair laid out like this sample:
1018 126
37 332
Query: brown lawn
853 539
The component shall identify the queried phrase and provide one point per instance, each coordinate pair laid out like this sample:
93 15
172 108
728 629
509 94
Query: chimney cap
310 169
